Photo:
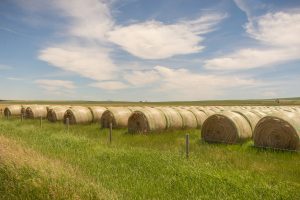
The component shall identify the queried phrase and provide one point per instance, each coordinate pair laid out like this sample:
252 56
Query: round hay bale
118 116
23 109
146 120
200 116
136 108
174 119
207 111
259 113
36 111
78 115
57 113
278 130
97 112
188 118
12 110
251 117
226 127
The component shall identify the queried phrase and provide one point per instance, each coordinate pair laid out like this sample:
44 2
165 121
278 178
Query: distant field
263 102
50 163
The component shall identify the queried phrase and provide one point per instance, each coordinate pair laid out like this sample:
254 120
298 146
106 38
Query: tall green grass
149 166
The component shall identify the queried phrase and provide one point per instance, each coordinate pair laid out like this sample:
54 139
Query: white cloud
87 54
140 78
109 85
277 29
92 62
156 40
15 79
252 58
56 86
278 37
90 19
182 84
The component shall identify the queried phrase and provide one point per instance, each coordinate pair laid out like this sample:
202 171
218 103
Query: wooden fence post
110 133
187 145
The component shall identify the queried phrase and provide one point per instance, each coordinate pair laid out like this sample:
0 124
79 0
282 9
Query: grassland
255 102
51 163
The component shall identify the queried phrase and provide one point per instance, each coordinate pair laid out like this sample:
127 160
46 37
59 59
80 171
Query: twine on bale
226 127
278 130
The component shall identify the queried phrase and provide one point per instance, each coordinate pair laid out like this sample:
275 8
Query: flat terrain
51 163
258 102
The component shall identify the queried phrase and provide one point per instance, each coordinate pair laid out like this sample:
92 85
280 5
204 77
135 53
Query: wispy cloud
89 19
92 31
15 78
141 78
156 40
109 85
182 84
56 86
85 52
90 61
278 41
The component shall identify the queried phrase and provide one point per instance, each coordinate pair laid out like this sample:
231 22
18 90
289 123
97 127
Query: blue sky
156 50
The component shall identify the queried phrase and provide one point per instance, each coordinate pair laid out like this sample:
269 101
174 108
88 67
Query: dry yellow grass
15 157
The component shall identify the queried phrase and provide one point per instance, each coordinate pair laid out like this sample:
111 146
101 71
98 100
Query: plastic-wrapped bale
188 118
146 120
57 113
36 111
200 115
226 127
173 118
12 110
251 117
118 116
278 130
97 112
78 115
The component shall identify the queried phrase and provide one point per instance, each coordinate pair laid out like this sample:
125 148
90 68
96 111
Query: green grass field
51 163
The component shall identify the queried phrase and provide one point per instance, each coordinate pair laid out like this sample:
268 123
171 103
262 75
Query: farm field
158 100
49 162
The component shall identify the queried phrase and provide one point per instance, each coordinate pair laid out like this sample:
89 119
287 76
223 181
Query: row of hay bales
275 127
149 119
